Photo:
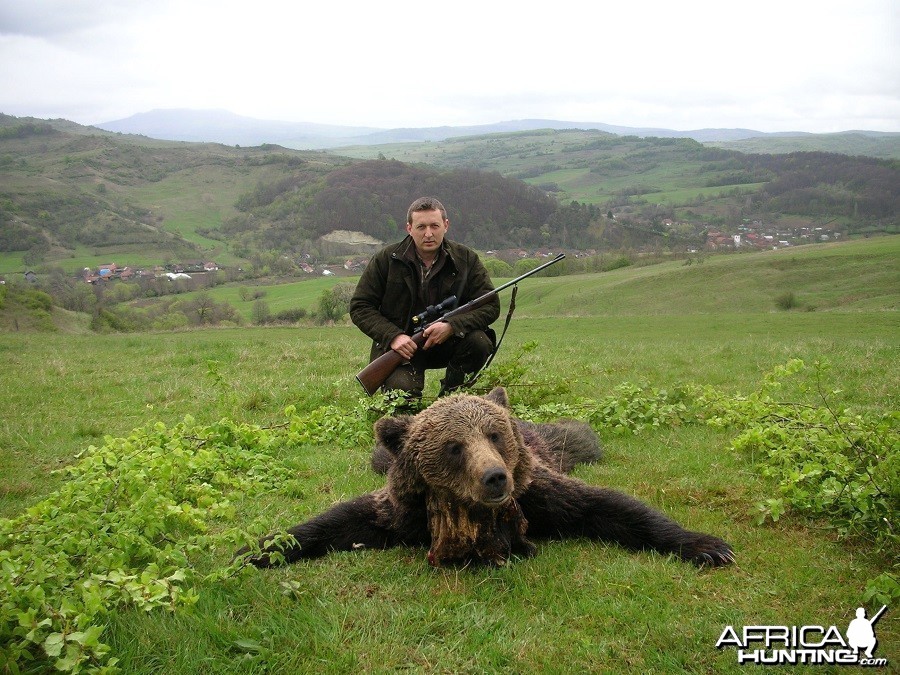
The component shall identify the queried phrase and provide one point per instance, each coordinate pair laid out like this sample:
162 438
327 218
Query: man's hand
404 346
437 333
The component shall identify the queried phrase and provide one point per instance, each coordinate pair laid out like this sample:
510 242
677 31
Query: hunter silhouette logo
807 645
861 631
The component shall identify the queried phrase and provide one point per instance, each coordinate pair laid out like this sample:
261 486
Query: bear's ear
404 479
391 432
498 395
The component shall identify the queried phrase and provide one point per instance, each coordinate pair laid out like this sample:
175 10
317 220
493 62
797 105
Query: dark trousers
460 356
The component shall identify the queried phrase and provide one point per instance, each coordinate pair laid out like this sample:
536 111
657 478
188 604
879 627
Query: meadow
578 606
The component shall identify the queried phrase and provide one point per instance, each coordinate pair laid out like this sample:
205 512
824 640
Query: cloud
771 65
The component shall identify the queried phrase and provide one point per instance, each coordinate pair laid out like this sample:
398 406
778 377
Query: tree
496 267
200 309
261 312
335 302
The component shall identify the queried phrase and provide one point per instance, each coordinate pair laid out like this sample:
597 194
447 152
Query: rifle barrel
480 300
528 274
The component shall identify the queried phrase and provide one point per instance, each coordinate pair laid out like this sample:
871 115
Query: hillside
869 144
372 196
78 198
645 181
846 277
75 197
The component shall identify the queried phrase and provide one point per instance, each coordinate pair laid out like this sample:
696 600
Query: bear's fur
560 445
469 481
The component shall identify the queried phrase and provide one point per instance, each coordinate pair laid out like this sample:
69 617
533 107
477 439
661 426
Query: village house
356 264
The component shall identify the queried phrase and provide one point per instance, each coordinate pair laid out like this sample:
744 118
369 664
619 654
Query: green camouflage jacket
388 293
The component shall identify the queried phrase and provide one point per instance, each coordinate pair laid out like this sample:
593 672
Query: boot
453 380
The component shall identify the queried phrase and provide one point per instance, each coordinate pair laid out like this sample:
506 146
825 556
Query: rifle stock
374 375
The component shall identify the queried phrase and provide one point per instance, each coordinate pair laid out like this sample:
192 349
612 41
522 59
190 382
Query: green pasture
279 297
678 186
576 607
189 200
11 262
855 276
685 195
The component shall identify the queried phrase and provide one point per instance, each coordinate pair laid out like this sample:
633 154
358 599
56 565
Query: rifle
373 375
877 616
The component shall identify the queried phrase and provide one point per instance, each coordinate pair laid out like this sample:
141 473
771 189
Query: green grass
12 263
859 275
577 606
684 195
279 297
190 200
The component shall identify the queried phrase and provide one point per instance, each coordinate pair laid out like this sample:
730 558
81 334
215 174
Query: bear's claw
709 550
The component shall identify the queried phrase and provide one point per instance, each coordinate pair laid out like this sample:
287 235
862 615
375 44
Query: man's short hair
425 204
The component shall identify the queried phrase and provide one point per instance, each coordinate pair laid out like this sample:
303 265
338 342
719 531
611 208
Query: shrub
787 301
827 464
291 315
497 267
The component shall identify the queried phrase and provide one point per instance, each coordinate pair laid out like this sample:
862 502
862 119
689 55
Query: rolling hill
77 197
851 276
221 126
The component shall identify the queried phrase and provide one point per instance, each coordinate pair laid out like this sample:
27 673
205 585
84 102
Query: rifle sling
509 315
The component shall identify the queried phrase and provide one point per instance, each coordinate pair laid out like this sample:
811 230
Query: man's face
427 230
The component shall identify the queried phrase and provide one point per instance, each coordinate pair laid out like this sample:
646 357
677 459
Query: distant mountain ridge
222 126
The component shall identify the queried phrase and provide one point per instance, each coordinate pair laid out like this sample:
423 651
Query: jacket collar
405 250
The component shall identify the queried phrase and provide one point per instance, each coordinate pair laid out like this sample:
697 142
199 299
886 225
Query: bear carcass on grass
470 482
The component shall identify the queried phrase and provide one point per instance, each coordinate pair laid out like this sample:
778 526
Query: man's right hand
403 344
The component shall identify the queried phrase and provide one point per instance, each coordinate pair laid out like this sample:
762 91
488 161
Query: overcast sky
770 65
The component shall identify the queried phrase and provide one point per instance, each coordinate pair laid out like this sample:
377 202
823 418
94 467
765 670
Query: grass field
302 294
578 606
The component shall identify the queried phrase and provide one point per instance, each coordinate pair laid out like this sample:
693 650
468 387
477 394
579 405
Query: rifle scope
434 311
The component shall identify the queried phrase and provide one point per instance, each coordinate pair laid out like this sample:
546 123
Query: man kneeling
402 280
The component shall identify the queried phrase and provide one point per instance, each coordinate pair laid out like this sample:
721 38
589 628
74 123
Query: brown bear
469 481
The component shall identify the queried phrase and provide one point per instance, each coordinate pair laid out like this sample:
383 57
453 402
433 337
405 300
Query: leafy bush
618 263
496 267
631 408
830 464
334 302
291 315
834 465
129 525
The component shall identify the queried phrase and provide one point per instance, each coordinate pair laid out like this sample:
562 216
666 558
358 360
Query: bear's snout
495 483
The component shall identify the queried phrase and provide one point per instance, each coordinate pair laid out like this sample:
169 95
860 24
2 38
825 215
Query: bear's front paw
257 560
705 549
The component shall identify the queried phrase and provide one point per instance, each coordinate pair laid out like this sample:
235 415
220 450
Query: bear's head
464 446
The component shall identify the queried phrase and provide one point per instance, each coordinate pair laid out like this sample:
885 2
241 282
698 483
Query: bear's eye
494 437
454 449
